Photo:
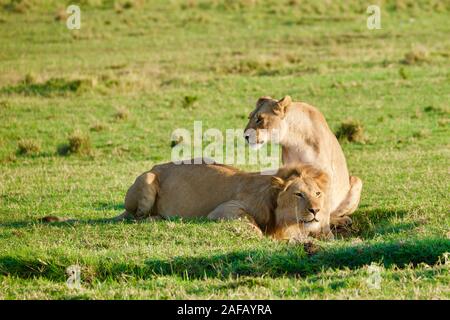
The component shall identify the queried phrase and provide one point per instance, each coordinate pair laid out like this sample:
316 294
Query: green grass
134 73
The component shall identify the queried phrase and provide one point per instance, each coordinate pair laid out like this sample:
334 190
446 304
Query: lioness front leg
340 217
326 233
232 210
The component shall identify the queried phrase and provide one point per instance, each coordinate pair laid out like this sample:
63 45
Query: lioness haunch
293 203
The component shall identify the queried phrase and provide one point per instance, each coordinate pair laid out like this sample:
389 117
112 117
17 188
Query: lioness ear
281 105
286 101
262 100
277 182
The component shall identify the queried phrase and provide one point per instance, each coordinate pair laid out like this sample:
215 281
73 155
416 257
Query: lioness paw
344 221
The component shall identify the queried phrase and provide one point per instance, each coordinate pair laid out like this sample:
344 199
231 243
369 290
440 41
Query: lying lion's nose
313 211
247 137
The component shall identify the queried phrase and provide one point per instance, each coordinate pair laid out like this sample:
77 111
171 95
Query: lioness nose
313 211
247 137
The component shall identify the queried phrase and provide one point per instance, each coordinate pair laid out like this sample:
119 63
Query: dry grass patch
78 143
98 126
28 147
4 104
351 131
122 113
18 6
61 15
420 134
418 54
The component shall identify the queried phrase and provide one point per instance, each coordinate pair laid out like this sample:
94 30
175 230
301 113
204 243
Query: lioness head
301 201
266 121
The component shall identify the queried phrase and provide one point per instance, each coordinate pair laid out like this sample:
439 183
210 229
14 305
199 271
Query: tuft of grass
28 147
4 104
417 114
443 122
351 131
420 134
120 6
417 55
78 143
402 73
98 126
18 6
122 113
29 78
61 15
435 110
176 142
189 101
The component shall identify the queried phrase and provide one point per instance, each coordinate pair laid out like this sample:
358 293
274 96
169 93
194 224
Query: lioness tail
49 219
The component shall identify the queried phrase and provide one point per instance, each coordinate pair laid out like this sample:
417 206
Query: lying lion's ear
277 182
281 105
287 172
323 181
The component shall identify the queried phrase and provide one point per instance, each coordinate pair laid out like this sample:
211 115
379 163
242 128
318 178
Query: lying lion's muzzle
309 218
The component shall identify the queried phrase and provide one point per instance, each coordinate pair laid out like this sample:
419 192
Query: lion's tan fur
222 192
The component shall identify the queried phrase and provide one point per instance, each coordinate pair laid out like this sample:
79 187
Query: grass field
83 112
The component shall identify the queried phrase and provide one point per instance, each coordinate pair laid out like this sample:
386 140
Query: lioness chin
291 203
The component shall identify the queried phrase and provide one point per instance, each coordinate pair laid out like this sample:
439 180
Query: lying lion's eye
259 120
318 194
299 194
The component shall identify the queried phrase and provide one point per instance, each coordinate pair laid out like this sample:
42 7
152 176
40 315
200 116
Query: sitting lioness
305 137
291 203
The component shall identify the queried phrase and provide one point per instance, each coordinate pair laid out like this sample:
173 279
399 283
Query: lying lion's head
266 121
302 198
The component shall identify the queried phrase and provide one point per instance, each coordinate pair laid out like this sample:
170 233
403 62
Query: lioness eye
299 194
318 194
259 120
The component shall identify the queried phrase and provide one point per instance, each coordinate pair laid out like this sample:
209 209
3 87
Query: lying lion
291 203
305 137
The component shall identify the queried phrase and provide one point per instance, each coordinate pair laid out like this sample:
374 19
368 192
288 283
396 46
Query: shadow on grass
364 226
380 214
69 223
295 262
54 86
98 221
35 156
369 223
101 206
289 261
